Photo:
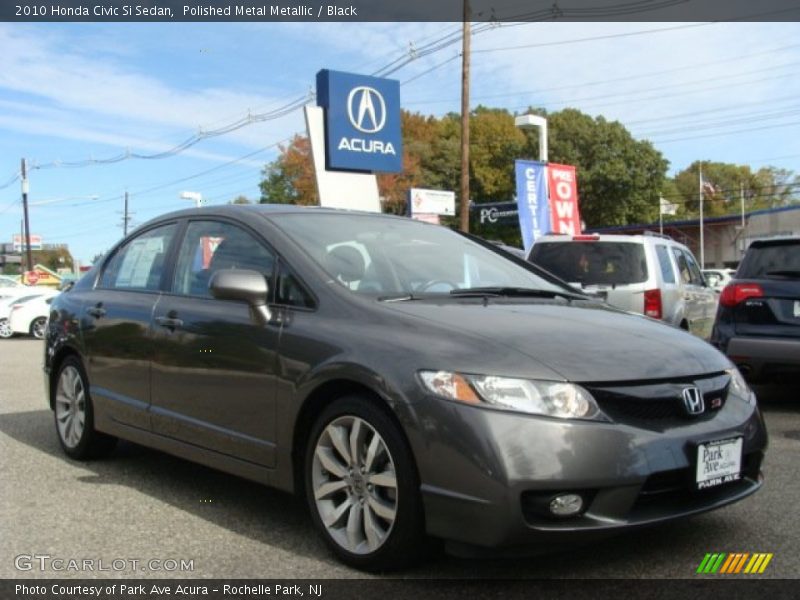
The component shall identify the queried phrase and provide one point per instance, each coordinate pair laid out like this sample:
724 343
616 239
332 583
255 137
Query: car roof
610 237
265 210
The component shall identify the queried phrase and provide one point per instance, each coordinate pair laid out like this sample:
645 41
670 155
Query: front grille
660 405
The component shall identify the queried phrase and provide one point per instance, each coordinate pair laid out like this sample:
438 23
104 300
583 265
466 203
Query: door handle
96 311
169 322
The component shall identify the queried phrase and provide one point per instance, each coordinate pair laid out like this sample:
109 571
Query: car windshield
592 263
770 260
385 256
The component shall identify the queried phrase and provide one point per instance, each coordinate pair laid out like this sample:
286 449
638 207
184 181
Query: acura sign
362 122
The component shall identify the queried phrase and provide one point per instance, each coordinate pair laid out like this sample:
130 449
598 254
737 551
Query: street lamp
195 197
531 121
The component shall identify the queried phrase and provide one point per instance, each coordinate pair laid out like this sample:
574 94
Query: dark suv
758 319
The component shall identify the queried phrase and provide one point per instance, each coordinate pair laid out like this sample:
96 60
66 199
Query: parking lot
143 506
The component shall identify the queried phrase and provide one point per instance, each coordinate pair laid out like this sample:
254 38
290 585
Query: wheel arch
315 402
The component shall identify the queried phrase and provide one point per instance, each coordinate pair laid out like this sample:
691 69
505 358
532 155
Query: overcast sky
76 92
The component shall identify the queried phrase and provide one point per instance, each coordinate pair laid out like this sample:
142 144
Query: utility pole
464 202
741 197
702 241
125 217
25 211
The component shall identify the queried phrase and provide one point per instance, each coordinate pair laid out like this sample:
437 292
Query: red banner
563 186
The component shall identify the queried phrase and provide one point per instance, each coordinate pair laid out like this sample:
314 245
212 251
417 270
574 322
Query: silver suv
650 274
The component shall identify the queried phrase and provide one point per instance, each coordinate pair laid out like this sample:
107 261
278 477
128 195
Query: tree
289 179
240 199
619 178
724 185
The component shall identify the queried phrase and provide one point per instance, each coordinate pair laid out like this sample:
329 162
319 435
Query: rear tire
38 327
5 329
74 414
362 488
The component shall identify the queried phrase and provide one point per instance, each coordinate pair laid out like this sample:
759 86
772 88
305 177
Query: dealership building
725 238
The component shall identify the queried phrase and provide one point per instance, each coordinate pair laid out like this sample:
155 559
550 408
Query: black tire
89 444
37 327
403 542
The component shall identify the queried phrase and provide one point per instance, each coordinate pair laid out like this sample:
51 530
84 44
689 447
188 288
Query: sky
84 92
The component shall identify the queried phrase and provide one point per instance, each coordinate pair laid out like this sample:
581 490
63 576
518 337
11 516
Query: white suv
650 274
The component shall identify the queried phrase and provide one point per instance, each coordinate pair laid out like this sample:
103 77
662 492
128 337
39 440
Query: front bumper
486 474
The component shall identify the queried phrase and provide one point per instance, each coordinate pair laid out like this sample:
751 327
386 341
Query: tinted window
139 264
665 263
290 291
209 246
378 255
696 277
592 262
683 266
770 260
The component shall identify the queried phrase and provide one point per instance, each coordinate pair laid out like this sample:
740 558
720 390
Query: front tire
74 414
362 488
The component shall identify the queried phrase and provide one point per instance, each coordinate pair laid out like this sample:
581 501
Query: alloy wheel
38 328
70 407
5 329
355 485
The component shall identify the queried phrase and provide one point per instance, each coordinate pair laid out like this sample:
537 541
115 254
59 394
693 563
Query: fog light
566 505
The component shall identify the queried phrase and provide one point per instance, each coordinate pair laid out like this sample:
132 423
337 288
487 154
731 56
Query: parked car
7 282
405 380
717 279
6 304
758 320
649 274
29 317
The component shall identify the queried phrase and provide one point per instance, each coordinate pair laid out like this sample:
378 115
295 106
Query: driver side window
210 246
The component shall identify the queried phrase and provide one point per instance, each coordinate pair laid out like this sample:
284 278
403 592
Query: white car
717 279
26 314
7 282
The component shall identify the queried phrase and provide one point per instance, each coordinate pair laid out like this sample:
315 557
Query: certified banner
563 186
534 211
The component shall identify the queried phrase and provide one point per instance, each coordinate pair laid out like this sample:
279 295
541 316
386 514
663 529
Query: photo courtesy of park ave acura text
297 297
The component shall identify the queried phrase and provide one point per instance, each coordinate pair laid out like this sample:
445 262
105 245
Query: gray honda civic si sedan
409 382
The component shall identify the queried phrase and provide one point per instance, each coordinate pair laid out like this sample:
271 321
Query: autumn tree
289 179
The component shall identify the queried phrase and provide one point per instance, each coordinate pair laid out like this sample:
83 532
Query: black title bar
398 10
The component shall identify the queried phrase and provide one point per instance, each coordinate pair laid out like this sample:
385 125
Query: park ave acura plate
718 462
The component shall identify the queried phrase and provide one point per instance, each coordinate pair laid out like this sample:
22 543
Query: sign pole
464 200
25 211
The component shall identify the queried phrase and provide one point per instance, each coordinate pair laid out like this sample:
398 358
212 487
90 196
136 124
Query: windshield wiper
515 292
784 273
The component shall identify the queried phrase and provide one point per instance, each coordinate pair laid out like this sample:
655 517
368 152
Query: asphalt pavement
141 505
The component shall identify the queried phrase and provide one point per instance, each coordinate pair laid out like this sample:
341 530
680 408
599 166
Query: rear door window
665 263
695 276
139 264
591 263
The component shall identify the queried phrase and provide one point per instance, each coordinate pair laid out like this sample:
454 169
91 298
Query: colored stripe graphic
733 563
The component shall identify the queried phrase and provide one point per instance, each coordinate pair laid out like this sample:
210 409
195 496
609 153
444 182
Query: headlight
739 386
548 398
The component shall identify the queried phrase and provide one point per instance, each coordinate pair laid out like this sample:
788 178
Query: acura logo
693 401
366 109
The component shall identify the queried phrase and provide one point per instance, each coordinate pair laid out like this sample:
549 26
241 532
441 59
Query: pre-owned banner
534 212
563 185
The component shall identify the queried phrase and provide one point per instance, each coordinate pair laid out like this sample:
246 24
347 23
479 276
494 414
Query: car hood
582 342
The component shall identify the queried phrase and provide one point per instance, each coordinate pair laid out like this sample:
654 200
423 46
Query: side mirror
243 285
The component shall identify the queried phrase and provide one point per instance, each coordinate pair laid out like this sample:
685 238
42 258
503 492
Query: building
725 238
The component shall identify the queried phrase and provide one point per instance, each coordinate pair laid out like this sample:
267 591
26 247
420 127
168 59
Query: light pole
195 197
531 121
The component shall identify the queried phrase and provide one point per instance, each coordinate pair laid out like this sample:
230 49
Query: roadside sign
18 244
32 277
565 216
432 202
362 122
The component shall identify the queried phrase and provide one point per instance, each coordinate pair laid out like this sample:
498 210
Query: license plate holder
718 462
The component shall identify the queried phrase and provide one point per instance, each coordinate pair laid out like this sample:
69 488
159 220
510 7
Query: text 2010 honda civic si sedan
406 380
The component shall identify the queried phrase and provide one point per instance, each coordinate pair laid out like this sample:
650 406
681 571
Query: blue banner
534 209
